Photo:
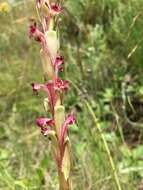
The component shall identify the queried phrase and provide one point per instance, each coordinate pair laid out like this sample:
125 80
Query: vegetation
103 44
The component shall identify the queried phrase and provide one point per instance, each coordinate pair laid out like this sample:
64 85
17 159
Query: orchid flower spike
55 127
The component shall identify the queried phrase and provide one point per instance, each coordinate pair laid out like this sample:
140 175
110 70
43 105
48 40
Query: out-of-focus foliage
102 41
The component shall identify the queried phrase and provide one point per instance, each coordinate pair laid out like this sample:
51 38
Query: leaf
137 153
21 184
126 152
80 148
41 173
74 128
108 95
110 137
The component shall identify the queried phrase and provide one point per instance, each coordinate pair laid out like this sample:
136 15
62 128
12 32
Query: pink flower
69 121
36 33
42 122
61 84
52 96
57 65
50 88
36 87
55 9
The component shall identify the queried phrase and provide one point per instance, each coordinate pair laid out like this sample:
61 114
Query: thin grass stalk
113 168
105 144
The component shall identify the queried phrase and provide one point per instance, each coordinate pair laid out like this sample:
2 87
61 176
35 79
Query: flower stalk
56 127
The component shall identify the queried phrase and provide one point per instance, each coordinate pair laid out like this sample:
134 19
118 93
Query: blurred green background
102 41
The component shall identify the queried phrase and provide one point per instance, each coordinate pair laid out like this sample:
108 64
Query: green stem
114 172
113 168
118 124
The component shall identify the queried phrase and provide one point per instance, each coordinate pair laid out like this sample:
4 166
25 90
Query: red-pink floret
56 9
36 86
59 61
69 121
36 33
58 64
61 84
42 122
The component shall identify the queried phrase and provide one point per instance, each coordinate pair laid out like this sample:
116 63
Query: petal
69 121
61 85
36 33
36 87
42 122
58 84
45 131
59 61
56 9
65 84
32 29
49 89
